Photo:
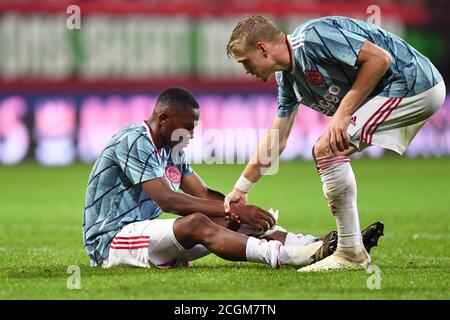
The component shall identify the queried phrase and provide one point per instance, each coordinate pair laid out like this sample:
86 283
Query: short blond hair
249 31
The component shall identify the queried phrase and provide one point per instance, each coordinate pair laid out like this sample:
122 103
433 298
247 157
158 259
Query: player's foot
329 245
372 234
300 256
370 237
341 259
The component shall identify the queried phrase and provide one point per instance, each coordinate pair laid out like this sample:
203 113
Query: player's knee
202 227
190 230
197 219
321 149
198 222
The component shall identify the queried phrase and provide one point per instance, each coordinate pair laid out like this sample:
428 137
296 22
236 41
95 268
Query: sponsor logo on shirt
314 77
173 174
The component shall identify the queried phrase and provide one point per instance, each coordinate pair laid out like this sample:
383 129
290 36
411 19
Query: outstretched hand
235 196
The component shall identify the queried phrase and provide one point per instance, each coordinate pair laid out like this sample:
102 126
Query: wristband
244 184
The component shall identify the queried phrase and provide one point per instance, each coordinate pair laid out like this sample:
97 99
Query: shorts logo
173 174
353 121
314 77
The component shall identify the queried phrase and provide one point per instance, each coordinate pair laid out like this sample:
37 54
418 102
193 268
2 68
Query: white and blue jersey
324 53
115 197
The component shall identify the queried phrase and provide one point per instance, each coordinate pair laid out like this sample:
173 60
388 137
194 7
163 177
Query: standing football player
377 88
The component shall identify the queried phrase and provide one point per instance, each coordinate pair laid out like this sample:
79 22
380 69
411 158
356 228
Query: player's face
256 62
180 129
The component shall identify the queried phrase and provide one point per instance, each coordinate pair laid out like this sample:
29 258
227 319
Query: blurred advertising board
61 129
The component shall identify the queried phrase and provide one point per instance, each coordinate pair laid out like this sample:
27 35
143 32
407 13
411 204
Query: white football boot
300 256
341 260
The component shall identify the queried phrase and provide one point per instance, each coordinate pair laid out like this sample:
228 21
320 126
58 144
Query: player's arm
267 153
270 148
193 185
374 62
184 204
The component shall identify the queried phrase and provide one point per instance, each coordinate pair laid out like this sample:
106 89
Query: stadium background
64 92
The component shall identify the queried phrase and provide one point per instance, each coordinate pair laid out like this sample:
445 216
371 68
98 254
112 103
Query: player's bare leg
197 228
228 224
339 187
199 250
285 237
280 234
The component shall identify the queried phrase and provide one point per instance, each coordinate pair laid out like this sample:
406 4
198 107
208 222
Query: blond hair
249 31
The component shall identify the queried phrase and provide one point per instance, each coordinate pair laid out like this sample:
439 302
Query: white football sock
293 239
275 254
339 187
261 250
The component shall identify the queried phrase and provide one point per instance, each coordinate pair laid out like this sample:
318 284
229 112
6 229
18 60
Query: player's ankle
355 253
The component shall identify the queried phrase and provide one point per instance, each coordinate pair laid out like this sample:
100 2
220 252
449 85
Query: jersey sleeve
287 100
182 164
139 159
186 169
331 44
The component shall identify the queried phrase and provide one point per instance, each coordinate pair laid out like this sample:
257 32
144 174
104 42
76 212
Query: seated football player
136 179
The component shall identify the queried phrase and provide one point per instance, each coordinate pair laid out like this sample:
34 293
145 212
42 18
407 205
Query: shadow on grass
61 271
52 271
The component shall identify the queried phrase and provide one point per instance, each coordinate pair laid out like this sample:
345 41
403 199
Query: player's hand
254 216
336 133
232 217
235 196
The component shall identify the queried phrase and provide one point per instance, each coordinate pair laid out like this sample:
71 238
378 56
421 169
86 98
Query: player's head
176 112
252 43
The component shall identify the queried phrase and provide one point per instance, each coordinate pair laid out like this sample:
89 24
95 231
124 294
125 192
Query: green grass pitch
40 237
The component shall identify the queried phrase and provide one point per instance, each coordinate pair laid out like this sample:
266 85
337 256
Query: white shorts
150 243
392 123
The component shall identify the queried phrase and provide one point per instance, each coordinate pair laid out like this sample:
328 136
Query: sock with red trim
270 252
276 254
293 239
339 187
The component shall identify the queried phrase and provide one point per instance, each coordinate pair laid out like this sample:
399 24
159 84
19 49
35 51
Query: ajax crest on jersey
173 174
314 77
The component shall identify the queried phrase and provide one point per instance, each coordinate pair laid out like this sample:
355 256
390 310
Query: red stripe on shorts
383 120
363 137
131 238
130 242
128 247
